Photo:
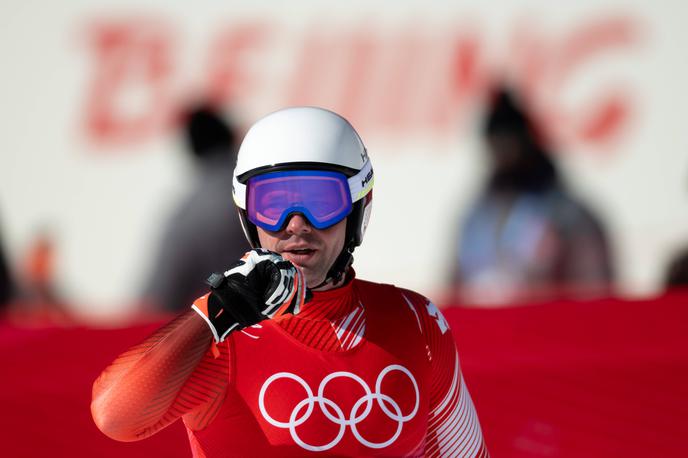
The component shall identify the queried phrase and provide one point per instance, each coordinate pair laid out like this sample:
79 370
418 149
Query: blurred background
95 169
93 161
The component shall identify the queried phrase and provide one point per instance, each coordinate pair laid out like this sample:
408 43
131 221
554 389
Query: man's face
313 250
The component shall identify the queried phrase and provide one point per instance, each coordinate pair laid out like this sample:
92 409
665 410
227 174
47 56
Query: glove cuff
200 306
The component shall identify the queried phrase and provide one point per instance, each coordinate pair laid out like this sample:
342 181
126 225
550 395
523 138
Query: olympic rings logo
359 412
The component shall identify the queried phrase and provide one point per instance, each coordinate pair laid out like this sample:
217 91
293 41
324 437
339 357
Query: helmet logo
364 155
367 179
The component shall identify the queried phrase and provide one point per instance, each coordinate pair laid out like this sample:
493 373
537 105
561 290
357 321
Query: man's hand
261 285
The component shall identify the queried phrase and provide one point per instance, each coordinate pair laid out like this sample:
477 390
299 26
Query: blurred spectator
36 298
39 271
6 282
204 234
677 271
526 237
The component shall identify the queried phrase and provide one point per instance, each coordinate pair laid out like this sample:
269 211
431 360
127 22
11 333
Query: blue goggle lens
323 197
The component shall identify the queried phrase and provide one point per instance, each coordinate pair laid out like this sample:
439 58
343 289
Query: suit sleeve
453 426
173 373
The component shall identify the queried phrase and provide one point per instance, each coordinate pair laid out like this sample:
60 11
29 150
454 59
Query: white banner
90 154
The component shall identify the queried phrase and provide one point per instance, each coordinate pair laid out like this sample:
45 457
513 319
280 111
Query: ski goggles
323 197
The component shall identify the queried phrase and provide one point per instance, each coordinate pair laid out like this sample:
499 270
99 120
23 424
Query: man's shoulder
423 310
408 294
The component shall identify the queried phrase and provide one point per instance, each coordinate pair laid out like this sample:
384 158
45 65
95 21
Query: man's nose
298 224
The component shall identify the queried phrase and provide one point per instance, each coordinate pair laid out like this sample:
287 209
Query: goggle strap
239 193
361 183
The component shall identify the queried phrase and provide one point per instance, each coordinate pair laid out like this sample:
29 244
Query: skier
289 354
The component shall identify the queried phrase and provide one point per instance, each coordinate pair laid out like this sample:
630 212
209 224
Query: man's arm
453 426
173 373
156 382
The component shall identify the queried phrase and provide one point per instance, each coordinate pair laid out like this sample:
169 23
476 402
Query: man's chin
313 280
304 263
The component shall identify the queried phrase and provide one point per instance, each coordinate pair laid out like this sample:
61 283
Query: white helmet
307 138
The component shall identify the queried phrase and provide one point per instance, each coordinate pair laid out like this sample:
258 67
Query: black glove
260 286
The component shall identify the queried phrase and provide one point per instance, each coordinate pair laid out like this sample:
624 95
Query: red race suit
363 370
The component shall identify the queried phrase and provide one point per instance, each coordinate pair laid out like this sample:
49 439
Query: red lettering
605 113
360 70
230 78
412 80
398 92
460 82
128 99
549 66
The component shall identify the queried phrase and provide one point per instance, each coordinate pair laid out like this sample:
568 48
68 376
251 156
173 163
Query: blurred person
527 237
39 270
676 274
290 354
202 235
36 299
7 288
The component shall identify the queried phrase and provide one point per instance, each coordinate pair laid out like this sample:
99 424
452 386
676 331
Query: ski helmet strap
340 266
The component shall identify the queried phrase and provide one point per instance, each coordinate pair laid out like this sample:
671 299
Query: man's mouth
298 255
300 251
